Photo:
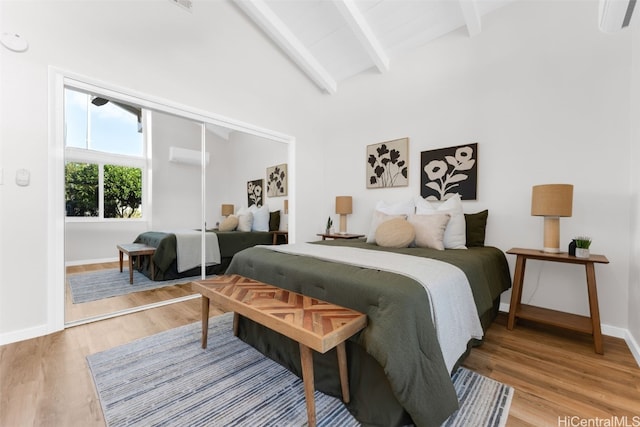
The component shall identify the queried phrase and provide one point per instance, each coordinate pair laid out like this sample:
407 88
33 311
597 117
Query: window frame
101 158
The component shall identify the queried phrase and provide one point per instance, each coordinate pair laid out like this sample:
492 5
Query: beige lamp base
551 234
343 224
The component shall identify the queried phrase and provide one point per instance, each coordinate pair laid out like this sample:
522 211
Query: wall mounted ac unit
185 156
615 14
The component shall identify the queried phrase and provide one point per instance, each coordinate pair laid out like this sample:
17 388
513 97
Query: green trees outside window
121 190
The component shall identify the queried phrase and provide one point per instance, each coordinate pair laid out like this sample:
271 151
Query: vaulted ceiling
332 40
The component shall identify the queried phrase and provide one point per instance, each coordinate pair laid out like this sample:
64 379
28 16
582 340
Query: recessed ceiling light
14 42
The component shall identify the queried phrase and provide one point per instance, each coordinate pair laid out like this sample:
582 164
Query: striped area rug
96 285
169 380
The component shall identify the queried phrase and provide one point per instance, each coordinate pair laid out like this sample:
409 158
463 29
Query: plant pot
582 253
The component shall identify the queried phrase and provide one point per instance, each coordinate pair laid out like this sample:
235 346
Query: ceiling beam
471 16
267 20
360 27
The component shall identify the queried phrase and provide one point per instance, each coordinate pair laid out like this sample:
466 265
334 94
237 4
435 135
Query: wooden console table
312 323
574 322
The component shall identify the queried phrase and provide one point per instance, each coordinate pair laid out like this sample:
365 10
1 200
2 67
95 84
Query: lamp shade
552 200
343 205
227 210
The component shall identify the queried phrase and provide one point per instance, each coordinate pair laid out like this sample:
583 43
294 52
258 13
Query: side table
326 236
574 322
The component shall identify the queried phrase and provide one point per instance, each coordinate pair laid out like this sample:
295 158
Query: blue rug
97 285
168 379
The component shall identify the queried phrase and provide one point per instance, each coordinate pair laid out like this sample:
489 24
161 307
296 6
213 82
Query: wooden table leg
516 290
121 259
130 269
205 320
344 375
306 358
593 307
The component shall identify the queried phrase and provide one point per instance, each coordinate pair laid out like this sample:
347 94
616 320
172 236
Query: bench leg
121 259
342 366
306 358
235 323
205 320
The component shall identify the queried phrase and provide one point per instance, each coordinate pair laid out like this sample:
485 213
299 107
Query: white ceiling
332 40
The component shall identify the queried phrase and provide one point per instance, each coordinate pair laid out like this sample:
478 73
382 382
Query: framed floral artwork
449 171
388 164
277 180
254 192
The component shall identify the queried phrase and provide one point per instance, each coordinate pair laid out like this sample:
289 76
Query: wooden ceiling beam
363 32
273 26
471 16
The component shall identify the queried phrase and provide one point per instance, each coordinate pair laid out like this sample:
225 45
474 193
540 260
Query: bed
397 372
229 243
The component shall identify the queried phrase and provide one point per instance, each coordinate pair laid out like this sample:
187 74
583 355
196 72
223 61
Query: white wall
542 91
150 47
634 247
546 96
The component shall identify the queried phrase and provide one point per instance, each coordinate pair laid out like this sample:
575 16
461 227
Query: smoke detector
185 4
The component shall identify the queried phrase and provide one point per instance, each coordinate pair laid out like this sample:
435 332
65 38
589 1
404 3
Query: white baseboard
24 334
612 331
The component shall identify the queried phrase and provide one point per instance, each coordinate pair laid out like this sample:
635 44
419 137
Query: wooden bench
312 323
136 250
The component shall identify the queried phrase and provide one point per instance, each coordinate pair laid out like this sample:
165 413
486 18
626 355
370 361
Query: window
105 158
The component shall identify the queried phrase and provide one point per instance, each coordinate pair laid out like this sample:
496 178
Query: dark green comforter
397 373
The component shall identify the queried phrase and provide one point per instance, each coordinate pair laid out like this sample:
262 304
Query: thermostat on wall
22 177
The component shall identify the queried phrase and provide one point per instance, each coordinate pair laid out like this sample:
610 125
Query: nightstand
339 236
574 322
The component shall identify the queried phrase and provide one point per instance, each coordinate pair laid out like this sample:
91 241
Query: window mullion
101 191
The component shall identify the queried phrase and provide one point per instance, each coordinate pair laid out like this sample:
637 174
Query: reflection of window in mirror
105 157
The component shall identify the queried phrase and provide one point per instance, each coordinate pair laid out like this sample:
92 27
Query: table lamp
227 210
552 201
343 208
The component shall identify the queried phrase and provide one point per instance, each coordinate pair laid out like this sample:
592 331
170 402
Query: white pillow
400 208
260 218
379 218
455 236
430 229
245 220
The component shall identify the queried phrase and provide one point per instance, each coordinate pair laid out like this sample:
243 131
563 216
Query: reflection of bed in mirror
178 252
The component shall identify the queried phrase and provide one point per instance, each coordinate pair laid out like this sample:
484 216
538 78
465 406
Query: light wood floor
75 312
45 381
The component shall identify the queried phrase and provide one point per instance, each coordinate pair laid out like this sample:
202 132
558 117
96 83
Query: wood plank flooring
45 381
76 312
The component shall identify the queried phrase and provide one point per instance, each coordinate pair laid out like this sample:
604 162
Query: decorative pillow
455 234
274 220
430 229
379 218
229 223
245 221
400 208
476 225
260 218
395 233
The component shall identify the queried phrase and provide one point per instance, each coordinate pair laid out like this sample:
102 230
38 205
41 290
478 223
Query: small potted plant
582 246
329 225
